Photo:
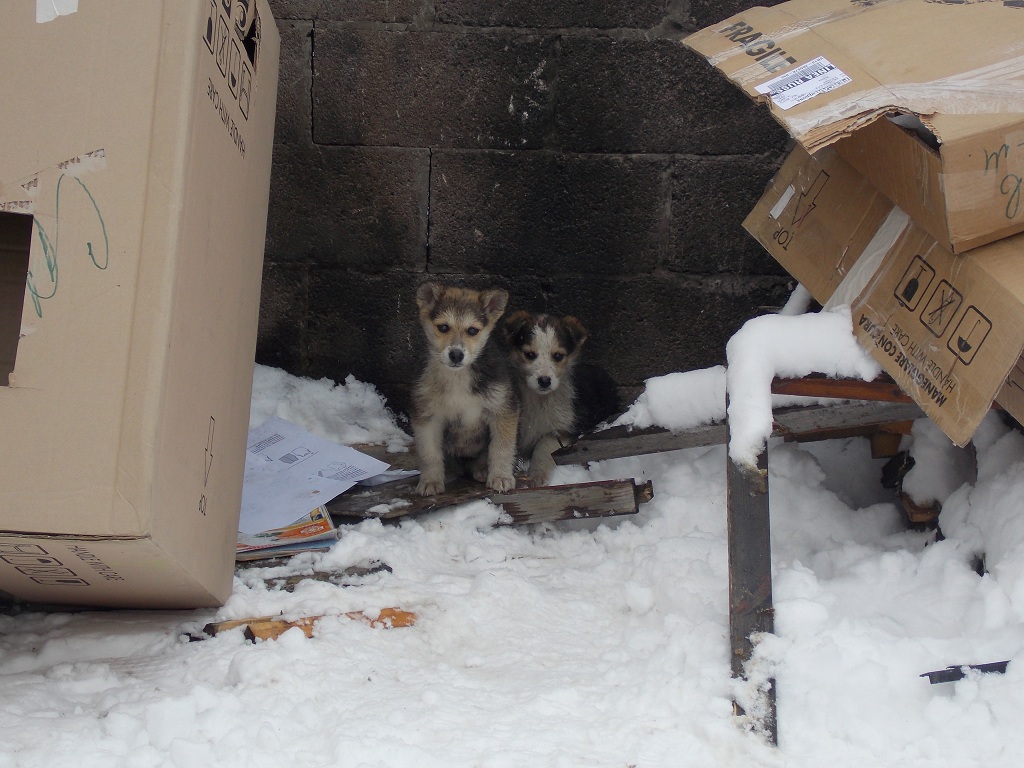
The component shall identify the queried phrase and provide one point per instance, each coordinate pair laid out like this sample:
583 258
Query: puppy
465 404
560 396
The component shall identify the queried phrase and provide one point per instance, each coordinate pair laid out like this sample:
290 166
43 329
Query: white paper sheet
289 471
48 10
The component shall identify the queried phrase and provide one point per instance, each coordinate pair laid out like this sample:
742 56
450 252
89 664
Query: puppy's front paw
501 483
536 480
429 486
478 469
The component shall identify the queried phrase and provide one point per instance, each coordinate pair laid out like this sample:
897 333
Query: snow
581 643
784 345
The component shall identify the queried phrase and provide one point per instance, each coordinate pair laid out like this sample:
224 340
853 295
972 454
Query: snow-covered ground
573 644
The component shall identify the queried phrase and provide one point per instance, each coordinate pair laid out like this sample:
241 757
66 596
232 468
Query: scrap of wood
573 502
919 514
271 627
885 443
523 505
953 673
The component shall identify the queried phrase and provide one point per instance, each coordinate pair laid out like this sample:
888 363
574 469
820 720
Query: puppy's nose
543 382
456 356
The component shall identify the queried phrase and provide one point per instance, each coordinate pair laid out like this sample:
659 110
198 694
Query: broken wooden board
579 501
524 505
805 422
272 627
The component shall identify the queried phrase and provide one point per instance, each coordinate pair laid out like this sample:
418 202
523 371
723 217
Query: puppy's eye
558 357
530 355
472 330
443 327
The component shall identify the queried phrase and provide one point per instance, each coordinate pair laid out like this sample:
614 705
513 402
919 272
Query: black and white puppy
560 396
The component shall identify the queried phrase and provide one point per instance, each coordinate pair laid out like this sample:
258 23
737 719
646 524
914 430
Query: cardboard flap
953 128
828 67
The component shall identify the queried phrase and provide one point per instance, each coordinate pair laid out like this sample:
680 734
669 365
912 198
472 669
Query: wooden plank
882 388
803 421
618 442
523 505
806 421
399 499
573 502
750 572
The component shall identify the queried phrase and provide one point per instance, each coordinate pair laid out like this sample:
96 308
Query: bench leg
750 572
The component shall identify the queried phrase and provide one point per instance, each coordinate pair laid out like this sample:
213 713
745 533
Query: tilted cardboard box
828 69
946 327
137 140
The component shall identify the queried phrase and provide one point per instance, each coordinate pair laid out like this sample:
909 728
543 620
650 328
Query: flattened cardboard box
137 140
831 68
947 328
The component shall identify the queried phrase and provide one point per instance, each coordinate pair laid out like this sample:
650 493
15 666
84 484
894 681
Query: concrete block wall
572 152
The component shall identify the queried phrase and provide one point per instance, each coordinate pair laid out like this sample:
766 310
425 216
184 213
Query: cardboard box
137 139
947 328
829 69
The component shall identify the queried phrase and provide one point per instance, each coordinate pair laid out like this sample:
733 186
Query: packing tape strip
995 89
865 267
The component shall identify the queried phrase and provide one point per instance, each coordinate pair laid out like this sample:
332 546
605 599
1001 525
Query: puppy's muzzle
543 383
456 357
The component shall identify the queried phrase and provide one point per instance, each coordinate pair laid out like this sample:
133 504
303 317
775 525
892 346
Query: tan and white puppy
560 396
465 403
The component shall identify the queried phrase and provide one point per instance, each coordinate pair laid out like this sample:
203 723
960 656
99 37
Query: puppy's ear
577 332
515 324
428 293
494 302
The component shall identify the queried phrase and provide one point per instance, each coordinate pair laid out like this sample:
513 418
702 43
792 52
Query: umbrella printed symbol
963 344
969 334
